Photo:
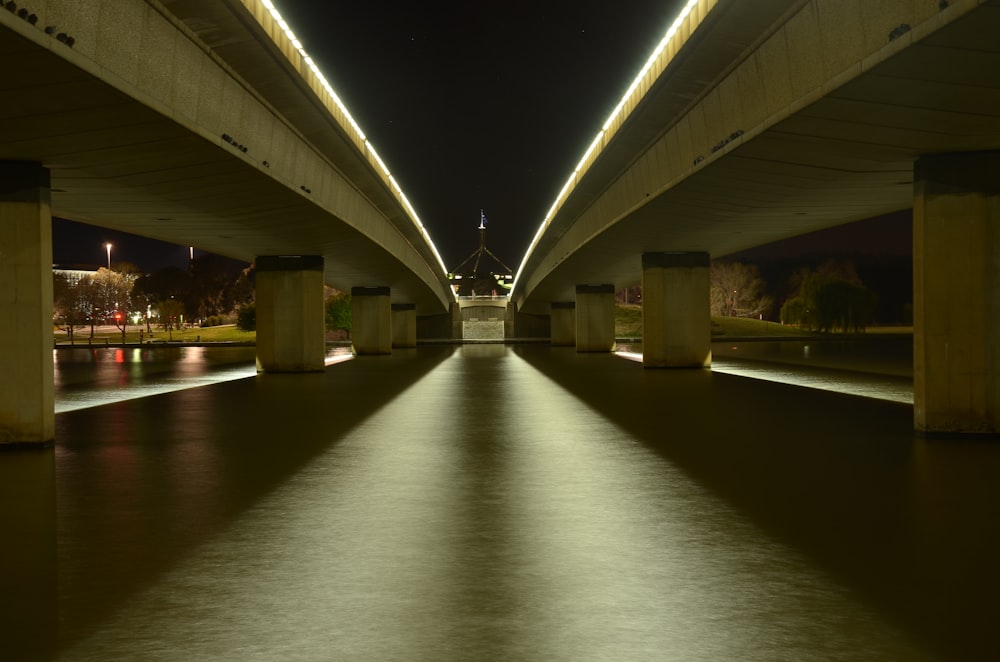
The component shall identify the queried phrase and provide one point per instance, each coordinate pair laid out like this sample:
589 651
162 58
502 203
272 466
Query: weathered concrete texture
404 325
290 314
956 282
676 316
595 318
563 316
482 330
371 320
27 401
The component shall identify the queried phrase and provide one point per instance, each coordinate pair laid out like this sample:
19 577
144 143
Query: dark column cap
289 263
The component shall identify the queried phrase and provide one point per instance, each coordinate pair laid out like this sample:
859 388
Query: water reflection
88 377
489 502
27 555
880 367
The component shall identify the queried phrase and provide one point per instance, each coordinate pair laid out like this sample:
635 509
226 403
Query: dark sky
472 105
480 105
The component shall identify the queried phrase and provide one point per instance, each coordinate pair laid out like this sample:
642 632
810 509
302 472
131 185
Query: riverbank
628 329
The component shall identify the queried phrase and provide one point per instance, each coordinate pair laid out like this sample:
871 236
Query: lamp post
108 246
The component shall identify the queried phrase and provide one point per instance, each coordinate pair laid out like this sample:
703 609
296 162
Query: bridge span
203 124
758 121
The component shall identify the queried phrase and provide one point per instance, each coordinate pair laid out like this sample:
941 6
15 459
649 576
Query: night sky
481 105
472 105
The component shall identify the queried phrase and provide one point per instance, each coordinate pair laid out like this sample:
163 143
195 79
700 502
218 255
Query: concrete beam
27 391
956 283
676 313
291 325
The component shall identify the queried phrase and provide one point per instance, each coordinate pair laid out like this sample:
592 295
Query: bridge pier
563 323
956 286
676 315
404 324
595 318
371 320
27 391
290 315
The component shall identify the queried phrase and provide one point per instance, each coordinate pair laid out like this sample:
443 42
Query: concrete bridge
762 120
203 123
199 123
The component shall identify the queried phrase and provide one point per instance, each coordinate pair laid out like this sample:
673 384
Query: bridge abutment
595 318
371 320
27 391
676 315
290 314
956 285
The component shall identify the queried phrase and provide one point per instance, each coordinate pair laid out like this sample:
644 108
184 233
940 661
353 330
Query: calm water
500 503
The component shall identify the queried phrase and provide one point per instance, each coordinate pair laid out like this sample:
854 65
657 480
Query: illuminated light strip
674 27
307 59
650 61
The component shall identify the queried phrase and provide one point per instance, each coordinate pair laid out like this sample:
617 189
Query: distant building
472 280
74 272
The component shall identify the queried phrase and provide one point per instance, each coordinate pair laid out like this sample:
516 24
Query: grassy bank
628 324
109 334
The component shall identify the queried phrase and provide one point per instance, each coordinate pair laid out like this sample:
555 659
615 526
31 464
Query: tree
737 290
111 293
169 283
246 317
338 312
214 280
829 299
69 309
170 312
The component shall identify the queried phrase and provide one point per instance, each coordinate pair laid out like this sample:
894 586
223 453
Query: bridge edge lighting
597 144
393 185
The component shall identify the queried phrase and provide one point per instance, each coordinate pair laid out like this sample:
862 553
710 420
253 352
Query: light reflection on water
880 369
489 502
88 377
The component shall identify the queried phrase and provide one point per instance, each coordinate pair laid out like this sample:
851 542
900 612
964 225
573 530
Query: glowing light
596 144
314 68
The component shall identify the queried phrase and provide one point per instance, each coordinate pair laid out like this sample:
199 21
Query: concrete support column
676 313
510 320
956 294
595 318
371 320
456 320
291 324
563 323
404 325
27 392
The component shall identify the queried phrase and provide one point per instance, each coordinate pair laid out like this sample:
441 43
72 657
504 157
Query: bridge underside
843 152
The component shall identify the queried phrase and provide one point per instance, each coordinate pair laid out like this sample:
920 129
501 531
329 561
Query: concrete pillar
595 318
404 325
510 320
456 320
371 323
27 392
291 319
562 316
676 313
956 294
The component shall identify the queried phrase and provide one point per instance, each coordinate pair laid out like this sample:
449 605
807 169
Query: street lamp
108 246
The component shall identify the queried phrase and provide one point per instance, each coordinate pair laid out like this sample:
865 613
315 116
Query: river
499 502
